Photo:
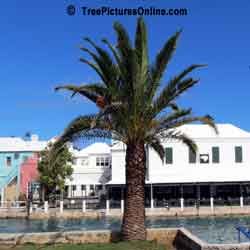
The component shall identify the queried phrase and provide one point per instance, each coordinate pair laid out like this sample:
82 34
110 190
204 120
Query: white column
212 203
151 197
182 204
107 206
2 197
61 207
122 206
31 208
241 201
46 207
122 200
84 206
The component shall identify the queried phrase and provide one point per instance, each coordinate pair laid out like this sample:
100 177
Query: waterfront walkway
97 213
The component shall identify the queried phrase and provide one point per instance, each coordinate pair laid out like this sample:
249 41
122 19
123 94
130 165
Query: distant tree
52 174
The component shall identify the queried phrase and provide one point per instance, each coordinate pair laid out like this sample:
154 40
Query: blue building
14 152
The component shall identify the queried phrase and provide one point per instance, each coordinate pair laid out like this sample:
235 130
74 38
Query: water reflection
213 229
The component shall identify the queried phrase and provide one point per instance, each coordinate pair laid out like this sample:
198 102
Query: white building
219 173
92 170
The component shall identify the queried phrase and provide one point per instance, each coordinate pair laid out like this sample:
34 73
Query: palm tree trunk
133 227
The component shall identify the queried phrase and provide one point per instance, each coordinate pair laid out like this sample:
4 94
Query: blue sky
40 49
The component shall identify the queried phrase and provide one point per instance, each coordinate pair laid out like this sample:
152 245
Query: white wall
181 171
88 174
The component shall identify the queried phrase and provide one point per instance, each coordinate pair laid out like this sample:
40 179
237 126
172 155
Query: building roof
17 144
204 131
95 148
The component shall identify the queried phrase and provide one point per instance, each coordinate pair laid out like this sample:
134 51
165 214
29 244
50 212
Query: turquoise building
15 153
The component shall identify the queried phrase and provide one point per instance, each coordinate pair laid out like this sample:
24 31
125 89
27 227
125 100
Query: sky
40 49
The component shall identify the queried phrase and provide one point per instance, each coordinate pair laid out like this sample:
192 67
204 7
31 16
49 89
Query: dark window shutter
238 154
192 156
215 154
169 155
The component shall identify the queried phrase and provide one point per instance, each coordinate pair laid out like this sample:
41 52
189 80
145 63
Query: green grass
137 245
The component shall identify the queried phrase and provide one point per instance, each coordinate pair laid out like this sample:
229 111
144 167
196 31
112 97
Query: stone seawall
173 238
156 212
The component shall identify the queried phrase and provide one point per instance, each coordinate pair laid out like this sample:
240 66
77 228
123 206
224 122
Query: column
122 200
2 197
198 196
107 202
69 191
241 197
46 207
182 199
61 207
212 197
151 196
31 208
84 206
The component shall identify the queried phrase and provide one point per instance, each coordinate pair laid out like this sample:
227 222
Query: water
212 229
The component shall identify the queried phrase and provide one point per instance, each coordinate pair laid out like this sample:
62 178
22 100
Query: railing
227 202
12 204
245 232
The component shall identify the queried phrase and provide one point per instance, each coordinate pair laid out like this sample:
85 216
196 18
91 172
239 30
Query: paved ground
172 212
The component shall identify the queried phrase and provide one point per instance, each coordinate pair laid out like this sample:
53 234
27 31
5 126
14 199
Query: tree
133 108
52 174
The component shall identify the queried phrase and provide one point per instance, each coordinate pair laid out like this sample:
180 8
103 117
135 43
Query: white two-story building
91 171
219 173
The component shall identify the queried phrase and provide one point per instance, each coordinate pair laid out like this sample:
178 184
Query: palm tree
133 109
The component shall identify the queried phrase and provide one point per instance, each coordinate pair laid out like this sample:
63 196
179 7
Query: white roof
95 148
17 144
204 131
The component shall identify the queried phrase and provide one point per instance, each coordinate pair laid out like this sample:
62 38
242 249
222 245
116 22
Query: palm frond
173 90
156 144
141 48
182 137
91 95
162 60
207 119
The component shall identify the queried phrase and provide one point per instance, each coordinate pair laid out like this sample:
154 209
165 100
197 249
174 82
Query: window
74 187
204 158
8 161
103 161
192 156
74 161
215 154
106 163
83 187
238 154
25 158
169 155
16 156
84 161
91 187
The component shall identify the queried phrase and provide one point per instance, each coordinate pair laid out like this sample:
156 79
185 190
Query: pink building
28 172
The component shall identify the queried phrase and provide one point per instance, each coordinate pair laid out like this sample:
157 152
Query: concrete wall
173 238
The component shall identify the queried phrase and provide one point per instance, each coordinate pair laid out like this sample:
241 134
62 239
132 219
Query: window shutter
169 155
238 154
192 156
215 155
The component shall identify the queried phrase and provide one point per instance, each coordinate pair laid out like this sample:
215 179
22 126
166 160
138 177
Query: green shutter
192 156
169 155
238 154
215 155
